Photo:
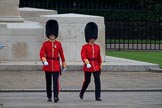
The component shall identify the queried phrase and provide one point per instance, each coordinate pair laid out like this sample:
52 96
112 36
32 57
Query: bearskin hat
91 31
52 28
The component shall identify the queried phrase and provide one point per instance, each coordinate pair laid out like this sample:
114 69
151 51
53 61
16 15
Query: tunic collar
52 40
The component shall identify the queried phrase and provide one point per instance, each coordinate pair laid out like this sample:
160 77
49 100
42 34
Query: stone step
155 70
77 66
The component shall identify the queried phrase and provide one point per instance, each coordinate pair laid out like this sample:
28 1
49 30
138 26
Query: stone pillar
9 11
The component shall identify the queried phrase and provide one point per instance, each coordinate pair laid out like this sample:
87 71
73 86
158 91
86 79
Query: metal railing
133 35
128 27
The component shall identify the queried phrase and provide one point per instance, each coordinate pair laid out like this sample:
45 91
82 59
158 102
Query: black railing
128 27
133 35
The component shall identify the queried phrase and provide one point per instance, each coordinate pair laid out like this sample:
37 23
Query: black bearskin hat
91 31
52 28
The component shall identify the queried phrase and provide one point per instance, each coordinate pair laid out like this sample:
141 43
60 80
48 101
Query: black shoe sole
98 99
49 100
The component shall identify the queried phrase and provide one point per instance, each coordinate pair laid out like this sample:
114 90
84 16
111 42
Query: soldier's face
91 40
52 37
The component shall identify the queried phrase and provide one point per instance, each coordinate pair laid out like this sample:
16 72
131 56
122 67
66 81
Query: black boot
81 95
49 100
56 99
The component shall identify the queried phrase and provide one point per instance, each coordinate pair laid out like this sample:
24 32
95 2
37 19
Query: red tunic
92 53
52 51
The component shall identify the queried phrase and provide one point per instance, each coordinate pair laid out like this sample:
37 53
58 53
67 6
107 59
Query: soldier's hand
86 61
100 66
64 65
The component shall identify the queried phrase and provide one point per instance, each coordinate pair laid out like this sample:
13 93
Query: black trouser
97 82
49 76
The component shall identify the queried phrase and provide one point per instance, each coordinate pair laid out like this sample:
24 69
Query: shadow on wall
1 45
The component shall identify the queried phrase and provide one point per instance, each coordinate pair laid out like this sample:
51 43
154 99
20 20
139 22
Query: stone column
9 11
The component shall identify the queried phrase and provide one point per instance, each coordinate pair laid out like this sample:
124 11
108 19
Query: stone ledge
76 66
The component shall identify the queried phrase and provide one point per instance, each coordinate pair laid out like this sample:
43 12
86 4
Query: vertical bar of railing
124 29
149 28
141 35
130 34
126 34
119 36
158 23
115 34
159 33
109 37
137 38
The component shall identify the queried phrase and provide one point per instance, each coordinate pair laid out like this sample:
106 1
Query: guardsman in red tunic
50 54
90 54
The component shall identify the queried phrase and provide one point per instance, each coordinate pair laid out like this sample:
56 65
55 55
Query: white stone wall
21 41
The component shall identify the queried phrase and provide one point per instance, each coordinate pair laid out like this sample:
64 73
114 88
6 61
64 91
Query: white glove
45 63
89 66
64 69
